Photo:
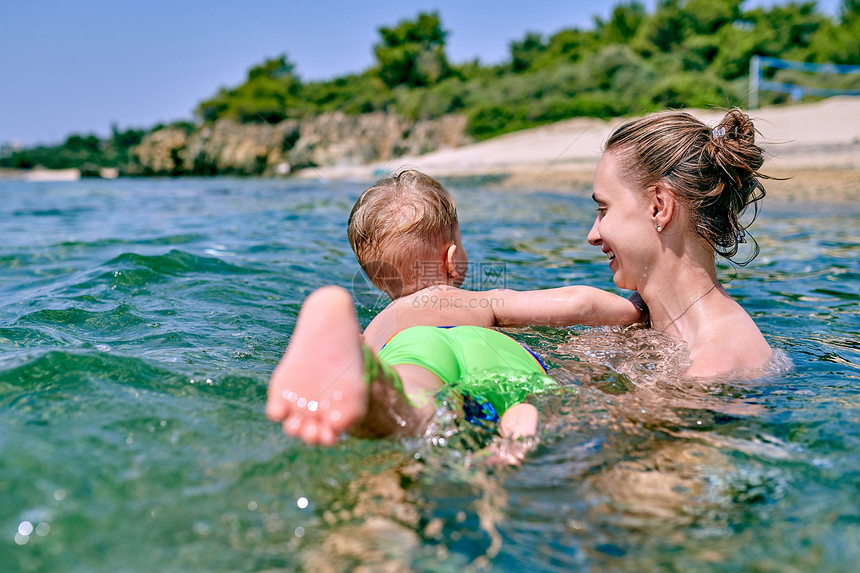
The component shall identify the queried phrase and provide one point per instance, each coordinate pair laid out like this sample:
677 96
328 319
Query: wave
23 337
109 242
120 317
72 375
176 262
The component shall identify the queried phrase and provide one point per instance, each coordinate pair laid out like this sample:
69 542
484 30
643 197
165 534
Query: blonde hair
713 171
398 223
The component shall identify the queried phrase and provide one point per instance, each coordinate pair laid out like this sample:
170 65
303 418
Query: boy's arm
563 306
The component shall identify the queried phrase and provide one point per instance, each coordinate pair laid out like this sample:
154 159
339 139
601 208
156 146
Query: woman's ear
663 206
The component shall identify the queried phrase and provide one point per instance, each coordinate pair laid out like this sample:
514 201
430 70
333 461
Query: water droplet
337 395
301 402
60 494
25 528
335 416
313 405
300 531
43 529
21 539
252 505
302 502
202 528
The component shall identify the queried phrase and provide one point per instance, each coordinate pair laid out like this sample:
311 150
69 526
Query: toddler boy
406 237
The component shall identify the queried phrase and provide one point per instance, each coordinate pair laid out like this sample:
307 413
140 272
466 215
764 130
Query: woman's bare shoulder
732 344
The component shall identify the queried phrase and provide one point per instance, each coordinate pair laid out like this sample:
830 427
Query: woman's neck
673 292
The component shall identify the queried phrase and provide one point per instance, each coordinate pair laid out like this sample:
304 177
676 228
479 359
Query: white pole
755 77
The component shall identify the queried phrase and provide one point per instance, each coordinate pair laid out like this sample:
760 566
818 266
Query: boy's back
439 305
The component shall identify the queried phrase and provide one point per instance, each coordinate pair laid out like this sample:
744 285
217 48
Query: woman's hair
398 224
713 171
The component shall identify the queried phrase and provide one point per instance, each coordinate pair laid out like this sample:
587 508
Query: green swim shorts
485 365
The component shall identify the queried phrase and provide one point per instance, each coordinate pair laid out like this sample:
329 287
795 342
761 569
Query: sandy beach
813 148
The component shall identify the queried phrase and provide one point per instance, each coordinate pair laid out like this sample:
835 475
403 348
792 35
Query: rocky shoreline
813 151
328 140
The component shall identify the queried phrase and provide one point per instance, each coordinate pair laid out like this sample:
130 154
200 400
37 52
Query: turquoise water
139 321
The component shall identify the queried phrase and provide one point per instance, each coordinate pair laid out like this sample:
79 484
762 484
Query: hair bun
733 151
736 125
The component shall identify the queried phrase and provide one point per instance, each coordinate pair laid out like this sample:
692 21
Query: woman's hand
636 299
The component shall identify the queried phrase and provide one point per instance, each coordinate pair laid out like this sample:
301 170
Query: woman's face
624 227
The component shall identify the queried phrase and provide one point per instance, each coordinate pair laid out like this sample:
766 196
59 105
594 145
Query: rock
329 139
159 153
240 149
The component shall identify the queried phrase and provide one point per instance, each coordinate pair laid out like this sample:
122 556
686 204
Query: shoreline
812 152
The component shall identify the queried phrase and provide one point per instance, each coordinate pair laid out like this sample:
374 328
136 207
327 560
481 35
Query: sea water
140 320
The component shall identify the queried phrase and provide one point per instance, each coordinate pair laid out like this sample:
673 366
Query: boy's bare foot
317 391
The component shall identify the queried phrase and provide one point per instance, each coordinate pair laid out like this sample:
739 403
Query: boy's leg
318 390
393 411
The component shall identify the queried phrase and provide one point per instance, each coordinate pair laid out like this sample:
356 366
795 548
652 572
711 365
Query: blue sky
78 66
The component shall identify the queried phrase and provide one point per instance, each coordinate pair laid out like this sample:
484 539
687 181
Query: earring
659 228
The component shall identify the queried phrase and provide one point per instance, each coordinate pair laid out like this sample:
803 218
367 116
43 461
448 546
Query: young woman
669 192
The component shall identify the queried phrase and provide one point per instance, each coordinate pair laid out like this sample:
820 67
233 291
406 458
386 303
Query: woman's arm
563 306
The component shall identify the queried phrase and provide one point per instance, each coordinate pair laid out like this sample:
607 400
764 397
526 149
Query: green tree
838 44
782 31
524 52
849 8
691 89
569 46
270 94
413 52
708 16
663 31
622 26
353 94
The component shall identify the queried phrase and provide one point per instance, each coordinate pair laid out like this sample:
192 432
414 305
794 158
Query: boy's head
405 234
